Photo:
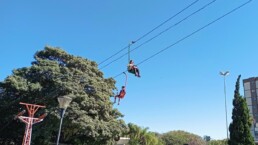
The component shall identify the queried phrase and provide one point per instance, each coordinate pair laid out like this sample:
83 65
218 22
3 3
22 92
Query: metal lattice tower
30 120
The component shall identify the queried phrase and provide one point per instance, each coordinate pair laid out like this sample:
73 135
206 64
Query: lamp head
64 101
224 73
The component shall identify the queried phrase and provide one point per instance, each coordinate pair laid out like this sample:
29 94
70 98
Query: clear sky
180 88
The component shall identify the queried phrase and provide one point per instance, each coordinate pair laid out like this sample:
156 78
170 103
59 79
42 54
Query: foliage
90 118
181 137
240 126
218 142
141 136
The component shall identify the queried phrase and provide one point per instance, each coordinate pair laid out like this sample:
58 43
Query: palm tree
141 136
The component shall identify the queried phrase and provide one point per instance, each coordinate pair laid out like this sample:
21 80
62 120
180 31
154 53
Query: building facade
251 95
123 141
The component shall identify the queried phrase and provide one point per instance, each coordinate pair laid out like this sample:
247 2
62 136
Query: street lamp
64 102
224 74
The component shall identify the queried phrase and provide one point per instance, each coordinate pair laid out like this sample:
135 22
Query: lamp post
64 102
224 74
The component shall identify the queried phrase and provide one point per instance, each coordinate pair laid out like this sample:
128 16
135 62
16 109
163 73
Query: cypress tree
240 126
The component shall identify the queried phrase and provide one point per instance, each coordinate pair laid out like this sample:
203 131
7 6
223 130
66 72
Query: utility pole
30 120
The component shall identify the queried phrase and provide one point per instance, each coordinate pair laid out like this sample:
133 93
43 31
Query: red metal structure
30 120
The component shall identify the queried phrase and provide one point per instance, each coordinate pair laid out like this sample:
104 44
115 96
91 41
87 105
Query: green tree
241 121
218 142
141 136
182 137
90 118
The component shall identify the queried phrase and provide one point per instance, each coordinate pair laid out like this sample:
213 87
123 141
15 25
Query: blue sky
180 89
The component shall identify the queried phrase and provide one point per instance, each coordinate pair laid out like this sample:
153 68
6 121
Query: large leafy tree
241 121
182 137
90 118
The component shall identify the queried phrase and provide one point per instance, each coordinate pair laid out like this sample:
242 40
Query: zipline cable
191 34
151 31
167 20
147 41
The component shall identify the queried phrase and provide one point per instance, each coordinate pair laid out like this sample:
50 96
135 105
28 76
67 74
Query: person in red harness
121 95
133 69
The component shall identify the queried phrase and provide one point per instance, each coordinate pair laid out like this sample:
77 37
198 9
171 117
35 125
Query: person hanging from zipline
133 69
121 95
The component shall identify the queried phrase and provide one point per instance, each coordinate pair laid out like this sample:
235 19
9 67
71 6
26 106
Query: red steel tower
30 120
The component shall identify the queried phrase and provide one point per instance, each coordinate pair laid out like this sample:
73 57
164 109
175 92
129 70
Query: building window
247 93
256 133
247 86
249 101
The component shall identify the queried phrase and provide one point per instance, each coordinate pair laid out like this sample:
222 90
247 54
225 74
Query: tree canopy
90 118
241 121
182 137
